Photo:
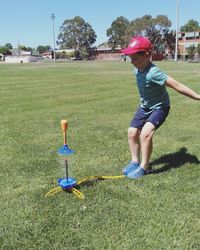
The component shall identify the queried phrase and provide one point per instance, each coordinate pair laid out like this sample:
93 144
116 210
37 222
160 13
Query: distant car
76 58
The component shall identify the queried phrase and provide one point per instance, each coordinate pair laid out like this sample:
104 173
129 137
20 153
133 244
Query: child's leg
146 137
153 122
134 143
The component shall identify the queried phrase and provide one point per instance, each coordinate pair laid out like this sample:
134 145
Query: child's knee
147 132
146 136
133 133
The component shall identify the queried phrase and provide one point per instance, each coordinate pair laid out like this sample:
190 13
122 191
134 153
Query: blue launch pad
67 183
65 150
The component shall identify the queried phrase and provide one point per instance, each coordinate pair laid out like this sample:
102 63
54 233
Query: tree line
79 35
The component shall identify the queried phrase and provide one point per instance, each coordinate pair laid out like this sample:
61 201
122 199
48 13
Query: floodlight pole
54 49
177 24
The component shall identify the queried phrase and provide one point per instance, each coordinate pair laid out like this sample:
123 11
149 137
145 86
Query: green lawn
159 211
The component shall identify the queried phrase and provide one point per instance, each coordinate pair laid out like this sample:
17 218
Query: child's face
140 60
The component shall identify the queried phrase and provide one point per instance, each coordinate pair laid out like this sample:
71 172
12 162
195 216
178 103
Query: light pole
54 49
177 24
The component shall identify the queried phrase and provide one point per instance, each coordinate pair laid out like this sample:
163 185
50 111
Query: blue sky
27 22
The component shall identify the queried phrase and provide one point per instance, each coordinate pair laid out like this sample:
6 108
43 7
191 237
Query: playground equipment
67 183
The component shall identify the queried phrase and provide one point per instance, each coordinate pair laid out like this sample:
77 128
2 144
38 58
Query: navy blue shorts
156 117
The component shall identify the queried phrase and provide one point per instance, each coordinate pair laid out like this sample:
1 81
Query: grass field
159 211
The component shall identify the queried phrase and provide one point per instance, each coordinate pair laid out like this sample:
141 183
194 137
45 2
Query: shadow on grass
174 160
91 181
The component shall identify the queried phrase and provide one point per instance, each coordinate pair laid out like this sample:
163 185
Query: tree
198 49
141 26
22 47
156 29
168 40
191 25
8 46
194 52
42 49
29 49
76 34
4 50
117 32
47 47
191 51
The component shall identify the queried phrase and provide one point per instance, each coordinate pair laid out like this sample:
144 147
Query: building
47 55
185 40
106 53
20 59
20 56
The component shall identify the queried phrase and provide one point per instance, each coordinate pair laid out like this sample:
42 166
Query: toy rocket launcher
65 150
68 183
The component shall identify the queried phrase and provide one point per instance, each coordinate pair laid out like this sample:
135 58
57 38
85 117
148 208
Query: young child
154 108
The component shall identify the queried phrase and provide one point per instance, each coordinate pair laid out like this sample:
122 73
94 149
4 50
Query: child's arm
181 88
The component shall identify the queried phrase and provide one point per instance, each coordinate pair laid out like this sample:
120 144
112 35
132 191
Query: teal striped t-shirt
152 88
